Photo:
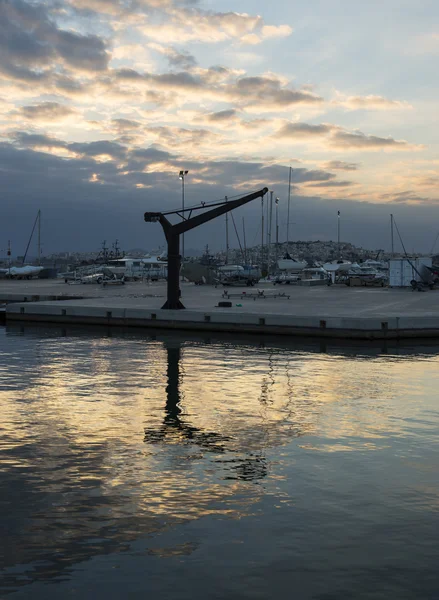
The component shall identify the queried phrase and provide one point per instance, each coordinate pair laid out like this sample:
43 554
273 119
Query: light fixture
182 174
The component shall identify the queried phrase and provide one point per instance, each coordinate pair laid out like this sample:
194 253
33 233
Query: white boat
26 272
136 268
287 263
286 277
367 273
379 265
341 266
237 275
314 273
230 268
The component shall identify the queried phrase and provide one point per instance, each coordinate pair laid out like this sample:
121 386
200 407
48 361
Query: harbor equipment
173 232
405 270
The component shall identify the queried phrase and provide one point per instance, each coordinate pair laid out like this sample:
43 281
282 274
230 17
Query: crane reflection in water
108 440
176 428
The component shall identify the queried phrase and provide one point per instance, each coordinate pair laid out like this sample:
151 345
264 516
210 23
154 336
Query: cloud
222 115
272 31
181 137
23 139
303 130
336 137
360 141
370 102
158 104
122 125
217 84
103 199
178 59
98 149
32 45
328 184
179 25
269 92
340 165
169 81
405 197
46 111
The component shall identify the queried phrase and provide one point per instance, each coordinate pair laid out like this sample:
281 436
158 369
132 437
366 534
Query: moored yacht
291 265
150 266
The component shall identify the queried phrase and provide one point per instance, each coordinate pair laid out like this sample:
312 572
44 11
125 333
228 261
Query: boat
153 267
315 276
229 275
287 263
338 266
367 275
286 278
26 272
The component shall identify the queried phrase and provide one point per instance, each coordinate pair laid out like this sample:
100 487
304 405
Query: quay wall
366 328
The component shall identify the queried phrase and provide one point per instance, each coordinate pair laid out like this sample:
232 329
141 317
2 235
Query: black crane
173 232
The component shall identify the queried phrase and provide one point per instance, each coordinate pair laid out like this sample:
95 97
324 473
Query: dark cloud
340 165
45 111
99 148
180 60
34 140
31 44
150 154
179 137
303 130
329 184
337 137
222 115
182 80
125 124
78 214
269 90
345 139
406 196
87 52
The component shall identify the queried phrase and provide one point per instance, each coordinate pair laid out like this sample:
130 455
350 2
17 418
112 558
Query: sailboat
289 264
27 271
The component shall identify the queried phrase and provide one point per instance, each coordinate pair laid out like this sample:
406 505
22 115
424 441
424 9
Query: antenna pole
9 256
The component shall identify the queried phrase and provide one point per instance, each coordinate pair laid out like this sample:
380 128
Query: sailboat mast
270 224
39 237
277 227
245 244
288 208
391 233
227 237
262 233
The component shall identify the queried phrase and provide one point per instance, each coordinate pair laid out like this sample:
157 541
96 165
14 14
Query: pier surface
336 311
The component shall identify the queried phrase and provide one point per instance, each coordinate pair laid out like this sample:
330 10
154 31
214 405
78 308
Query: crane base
172 305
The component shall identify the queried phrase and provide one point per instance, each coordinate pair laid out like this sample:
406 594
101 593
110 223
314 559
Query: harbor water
155 466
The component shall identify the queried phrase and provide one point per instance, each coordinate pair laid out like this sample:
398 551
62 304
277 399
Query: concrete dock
336 311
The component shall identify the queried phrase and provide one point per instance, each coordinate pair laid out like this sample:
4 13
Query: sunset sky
102 102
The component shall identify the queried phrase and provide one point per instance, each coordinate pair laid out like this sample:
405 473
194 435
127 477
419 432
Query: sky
102 102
